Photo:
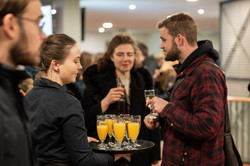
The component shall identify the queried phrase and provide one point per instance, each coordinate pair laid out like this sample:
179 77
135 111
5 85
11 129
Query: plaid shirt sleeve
197 106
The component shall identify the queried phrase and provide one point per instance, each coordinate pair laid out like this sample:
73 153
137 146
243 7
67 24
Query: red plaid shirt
194 117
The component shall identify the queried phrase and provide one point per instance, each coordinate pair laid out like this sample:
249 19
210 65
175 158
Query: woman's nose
79 66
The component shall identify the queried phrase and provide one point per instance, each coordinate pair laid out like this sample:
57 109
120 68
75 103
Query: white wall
235 50
96 42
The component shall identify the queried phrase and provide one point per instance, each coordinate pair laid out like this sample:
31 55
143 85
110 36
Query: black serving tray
145 146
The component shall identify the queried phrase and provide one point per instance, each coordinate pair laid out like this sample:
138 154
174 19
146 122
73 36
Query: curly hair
104 62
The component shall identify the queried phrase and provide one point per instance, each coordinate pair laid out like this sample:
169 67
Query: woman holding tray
56 115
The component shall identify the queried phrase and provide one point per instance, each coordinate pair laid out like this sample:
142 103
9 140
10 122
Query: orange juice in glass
126 117
110 128
134 128
110 120
102 130
119 131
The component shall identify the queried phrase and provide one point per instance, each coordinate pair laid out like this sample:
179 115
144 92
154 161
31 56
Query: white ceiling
148 13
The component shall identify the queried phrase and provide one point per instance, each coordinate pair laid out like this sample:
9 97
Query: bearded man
20 39
194 117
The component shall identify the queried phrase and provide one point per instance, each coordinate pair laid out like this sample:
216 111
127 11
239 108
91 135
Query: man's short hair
183 24
16 7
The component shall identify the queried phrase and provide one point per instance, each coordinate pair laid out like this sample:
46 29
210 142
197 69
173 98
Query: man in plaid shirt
194 117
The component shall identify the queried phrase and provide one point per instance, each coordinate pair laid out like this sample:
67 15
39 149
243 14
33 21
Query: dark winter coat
15 132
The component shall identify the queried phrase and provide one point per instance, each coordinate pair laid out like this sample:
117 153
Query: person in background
97 56
164 79
20 40
78 87
148 62
102 96
31 70
195 116
160 59
56 115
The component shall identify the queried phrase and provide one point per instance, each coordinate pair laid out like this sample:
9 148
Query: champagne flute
120 83
119 128
109 118
149 94
102 130
134 128
126 117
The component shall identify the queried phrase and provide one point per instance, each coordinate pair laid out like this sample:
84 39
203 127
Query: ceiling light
132 7
107 25
192 0
201 11
101 30
53 11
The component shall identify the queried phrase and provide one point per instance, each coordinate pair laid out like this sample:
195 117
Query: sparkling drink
148 97
149 94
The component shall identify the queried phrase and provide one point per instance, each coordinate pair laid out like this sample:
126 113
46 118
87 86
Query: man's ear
10 26
55 65
179 40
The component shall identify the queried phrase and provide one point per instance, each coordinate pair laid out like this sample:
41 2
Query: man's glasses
39 23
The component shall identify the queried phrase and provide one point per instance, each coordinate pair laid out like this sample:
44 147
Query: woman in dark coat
102 96
56 115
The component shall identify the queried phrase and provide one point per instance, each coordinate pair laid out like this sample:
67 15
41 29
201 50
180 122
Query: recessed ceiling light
107 25
192 0
201 11
132 7
101 30
53 11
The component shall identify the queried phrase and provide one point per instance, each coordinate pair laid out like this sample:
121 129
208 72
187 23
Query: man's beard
19 52
173 53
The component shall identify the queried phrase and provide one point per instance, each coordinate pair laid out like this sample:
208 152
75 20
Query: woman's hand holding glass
113 96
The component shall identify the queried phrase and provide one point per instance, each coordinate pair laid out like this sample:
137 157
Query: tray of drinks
138 147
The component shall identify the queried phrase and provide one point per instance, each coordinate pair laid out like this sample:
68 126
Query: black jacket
58 121
98 85
15 133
